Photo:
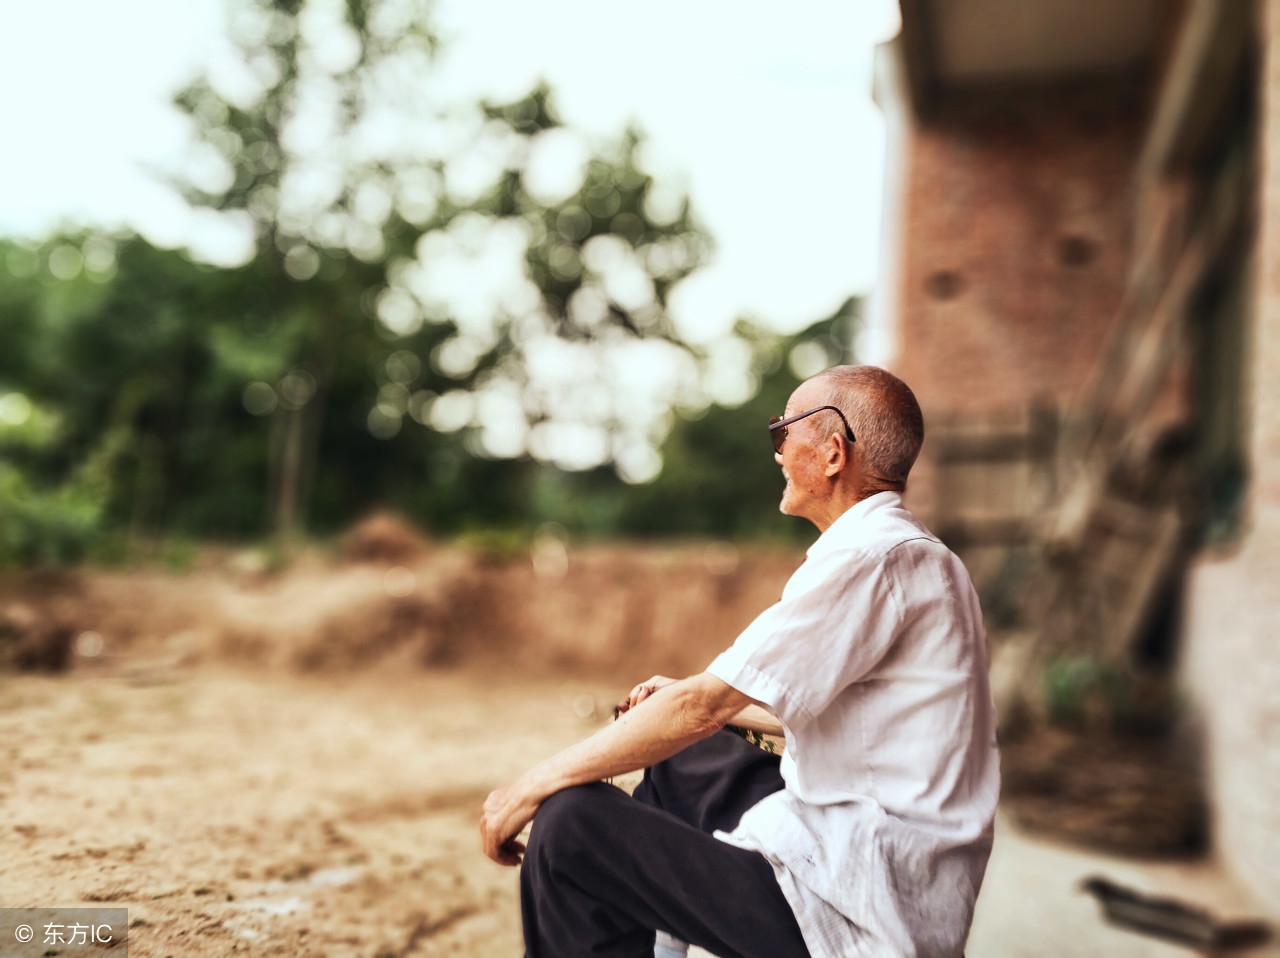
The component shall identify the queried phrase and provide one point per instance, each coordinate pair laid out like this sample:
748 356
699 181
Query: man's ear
837 452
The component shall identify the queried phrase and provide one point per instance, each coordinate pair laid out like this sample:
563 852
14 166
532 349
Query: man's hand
643 691
506 811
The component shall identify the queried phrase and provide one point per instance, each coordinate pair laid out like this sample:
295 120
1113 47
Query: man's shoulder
899 524
890 546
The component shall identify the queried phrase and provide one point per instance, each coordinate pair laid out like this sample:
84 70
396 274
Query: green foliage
719 477
1072 685
1086 692
179 554
168 401
42 526
504 542
135 427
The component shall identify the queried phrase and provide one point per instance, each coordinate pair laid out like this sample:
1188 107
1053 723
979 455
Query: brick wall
1014 252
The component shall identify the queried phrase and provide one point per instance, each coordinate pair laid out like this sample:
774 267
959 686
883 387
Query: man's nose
777 457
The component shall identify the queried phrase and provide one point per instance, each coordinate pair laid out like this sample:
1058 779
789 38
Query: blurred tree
123 407
56 477
719 478
329 154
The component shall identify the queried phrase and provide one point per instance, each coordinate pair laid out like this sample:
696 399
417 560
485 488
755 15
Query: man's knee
569 822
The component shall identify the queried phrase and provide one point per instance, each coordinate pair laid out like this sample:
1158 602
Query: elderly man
870 835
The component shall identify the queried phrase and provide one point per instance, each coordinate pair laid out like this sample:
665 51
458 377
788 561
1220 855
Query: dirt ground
292 761
270 813
274 813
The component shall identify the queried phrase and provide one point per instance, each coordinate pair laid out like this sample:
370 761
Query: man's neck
840 503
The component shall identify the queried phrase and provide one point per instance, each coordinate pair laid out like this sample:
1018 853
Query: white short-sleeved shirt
875 662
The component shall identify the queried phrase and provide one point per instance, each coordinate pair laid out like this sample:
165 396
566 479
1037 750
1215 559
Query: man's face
802 465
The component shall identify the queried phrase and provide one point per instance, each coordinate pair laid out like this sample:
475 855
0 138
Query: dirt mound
384 537
322 617
32 640
38 612
606 610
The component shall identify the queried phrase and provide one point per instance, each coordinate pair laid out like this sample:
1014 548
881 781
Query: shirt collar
845 529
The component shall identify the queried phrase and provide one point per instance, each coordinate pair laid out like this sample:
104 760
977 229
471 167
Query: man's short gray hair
883 413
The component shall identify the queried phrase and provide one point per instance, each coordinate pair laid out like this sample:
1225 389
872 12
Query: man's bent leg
709 785
602 871
713 782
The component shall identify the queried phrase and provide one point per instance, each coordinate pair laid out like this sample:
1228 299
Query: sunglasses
778 426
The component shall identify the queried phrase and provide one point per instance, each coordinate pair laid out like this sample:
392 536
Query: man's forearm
678 716
671 719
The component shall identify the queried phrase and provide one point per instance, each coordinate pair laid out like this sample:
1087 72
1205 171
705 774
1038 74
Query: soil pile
389 595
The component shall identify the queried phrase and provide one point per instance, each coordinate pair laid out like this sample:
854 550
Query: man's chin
784 504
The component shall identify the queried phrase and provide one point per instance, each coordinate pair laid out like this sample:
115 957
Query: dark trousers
604 870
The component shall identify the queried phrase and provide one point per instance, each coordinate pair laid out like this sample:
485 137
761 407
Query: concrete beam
919 55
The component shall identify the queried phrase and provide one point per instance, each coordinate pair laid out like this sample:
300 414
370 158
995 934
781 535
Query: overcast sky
762 112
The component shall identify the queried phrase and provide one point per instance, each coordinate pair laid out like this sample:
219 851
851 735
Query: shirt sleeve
837 618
